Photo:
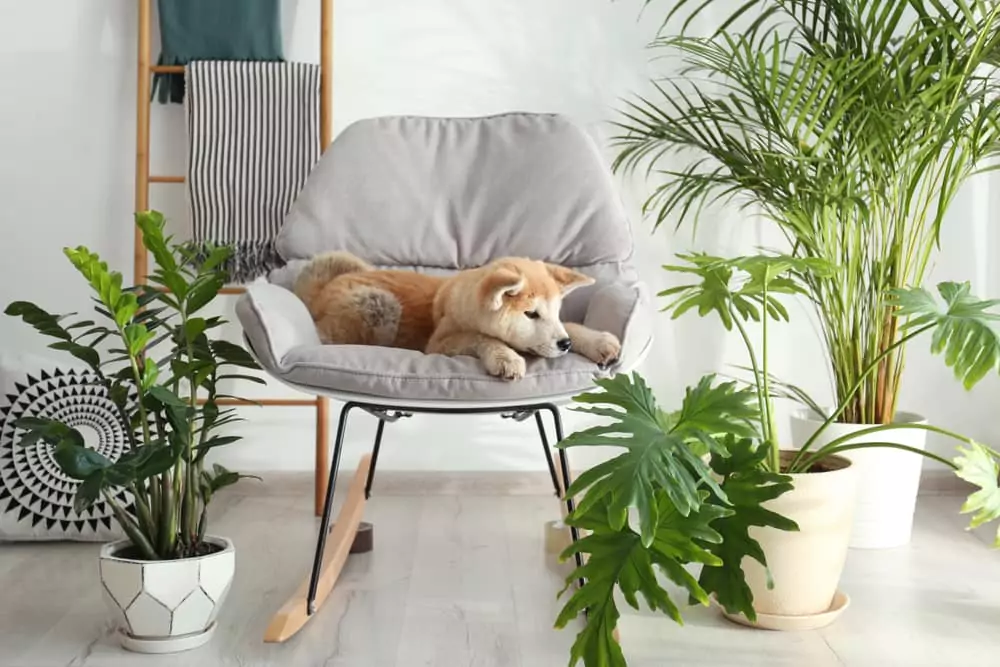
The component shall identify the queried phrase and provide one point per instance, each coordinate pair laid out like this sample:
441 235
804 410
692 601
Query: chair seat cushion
283 337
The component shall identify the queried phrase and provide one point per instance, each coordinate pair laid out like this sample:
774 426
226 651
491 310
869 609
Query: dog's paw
604 349
506 364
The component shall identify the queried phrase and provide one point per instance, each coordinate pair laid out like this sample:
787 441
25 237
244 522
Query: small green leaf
125 308
150 371
203 291
166 397
219 441
979 465
88 492
79 462
42 321
233 354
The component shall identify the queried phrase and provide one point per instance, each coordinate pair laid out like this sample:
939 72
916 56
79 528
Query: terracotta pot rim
902 417
108 551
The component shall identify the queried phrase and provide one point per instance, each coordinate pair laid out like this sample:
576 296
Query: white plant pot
806 564
889 479
166 606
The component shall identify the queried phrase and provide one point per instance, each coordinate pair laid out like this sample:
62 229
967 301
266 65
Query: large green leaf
979 465
748 486
657 451
746 285
618 559
962 330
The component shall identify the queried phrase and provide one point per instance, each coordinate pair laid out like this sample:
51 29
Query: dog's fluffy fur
496 312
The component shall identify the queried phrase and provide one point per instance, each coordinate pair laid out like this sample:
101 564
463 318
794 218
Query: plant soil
201 549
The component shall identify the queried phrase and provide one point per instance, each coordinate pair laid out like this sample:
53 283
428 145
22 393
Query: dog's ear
568 279
499 283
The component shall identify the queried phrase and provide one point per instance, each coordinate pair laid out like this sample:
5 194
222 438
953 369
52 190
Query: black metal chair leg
371 470
324 528
548 454
564 464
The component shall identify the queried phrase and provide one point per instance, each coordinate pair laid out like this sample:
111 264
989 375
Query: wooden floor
459 579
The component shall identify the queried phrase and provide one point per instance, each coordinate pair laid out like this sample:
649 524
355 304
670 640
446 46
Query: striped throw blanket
253 133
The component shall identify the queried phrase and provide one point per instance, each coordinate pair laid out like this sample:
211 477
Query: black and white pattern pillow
36 498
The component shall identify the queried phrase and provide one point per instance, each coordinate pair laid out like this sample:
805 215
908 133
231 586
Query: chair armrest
274 321
625 310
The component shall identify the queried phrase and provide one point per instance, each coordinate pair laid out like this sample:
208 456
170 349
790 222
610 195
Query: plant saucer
841 601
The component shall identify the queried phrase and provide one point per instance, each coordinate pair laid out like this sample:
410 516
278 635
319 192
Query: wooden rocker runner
439 195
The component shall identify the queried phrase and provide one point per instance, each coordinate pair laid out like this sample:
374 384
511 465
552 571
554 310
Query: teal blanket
214 30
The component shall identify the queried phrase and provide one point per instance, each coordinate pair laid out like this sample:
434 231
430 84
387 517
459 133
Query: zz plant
153 351
689 485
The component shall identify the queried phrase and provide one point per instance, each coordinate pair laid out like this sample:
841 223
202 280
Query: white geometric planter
166 606
889 479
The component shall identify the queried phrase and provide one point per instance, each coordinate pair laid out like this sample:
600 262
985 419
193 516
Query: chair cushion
282 335
459 192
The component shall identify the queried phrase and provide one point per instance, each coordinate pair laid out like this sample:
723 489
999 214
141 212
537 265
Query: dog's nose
564 344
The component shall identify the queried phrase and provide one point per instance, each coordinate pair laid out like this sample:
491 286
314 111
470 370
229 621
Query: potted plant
166 581
852 127
768 524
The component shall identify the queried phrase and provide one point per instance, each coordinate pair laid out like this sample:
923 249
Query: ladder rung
166 179
287 402
232 290
167 69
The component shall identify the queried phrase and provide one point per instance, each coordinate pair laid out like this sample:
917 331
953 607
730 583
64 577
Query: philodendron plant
690 484
163 373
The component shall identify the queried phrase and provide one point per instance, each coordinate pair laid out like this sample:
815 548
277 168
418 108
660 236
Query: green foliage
979 465
683 513
171 430
962 330
657 453
617 557
748 486
851 125
759 280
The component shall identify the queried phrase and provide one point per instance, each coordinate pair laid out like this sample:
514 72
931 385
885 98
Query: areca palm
851 124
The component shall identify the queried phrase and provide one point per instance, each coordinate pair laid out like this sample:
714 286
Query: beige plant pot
805 565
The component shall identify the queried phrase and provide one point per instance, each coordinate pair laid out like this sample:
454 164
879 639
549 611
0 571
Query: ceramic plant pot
805 565
888 479
166 606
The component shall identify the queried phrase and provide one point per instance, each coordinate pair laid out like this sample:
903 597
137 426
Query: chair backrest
452 193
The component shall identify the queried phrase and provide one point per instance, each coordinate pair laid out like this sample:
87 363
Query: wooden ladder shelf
143 179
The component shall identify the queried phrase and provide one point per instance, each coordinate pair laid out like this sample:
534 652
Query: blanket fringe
250 259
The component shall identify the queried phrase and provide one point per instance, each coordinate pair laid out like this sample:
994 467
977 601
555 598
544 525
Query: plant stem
850 394
761 402
890 445
772 440
844 442
131 529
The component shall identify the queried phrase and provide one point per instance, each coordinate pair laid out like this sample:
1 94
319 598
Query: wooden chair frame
143 179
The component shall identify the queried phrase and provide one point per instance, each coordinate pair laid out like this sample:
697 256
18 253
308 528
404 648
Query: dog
497 312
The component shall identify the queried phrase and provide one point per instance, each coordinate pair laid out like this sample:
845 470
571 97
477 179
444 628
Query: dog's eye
532 314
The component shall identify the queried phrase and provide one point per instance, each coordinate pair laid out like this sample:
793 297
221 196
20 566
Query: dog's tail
324 268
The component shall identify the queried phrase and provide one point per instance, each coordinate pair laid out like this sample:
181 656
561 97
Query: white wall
67 95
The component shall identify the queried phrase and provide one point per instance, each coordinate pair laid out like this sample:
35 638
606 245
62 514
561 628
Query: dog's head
522 299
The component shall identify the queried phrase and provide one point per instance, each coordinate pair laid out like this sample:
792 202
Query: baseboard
495 483
412 483
943 483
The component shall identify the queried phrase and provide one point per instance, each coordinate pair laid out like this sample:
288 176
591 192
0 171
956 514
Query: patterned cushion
36 498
